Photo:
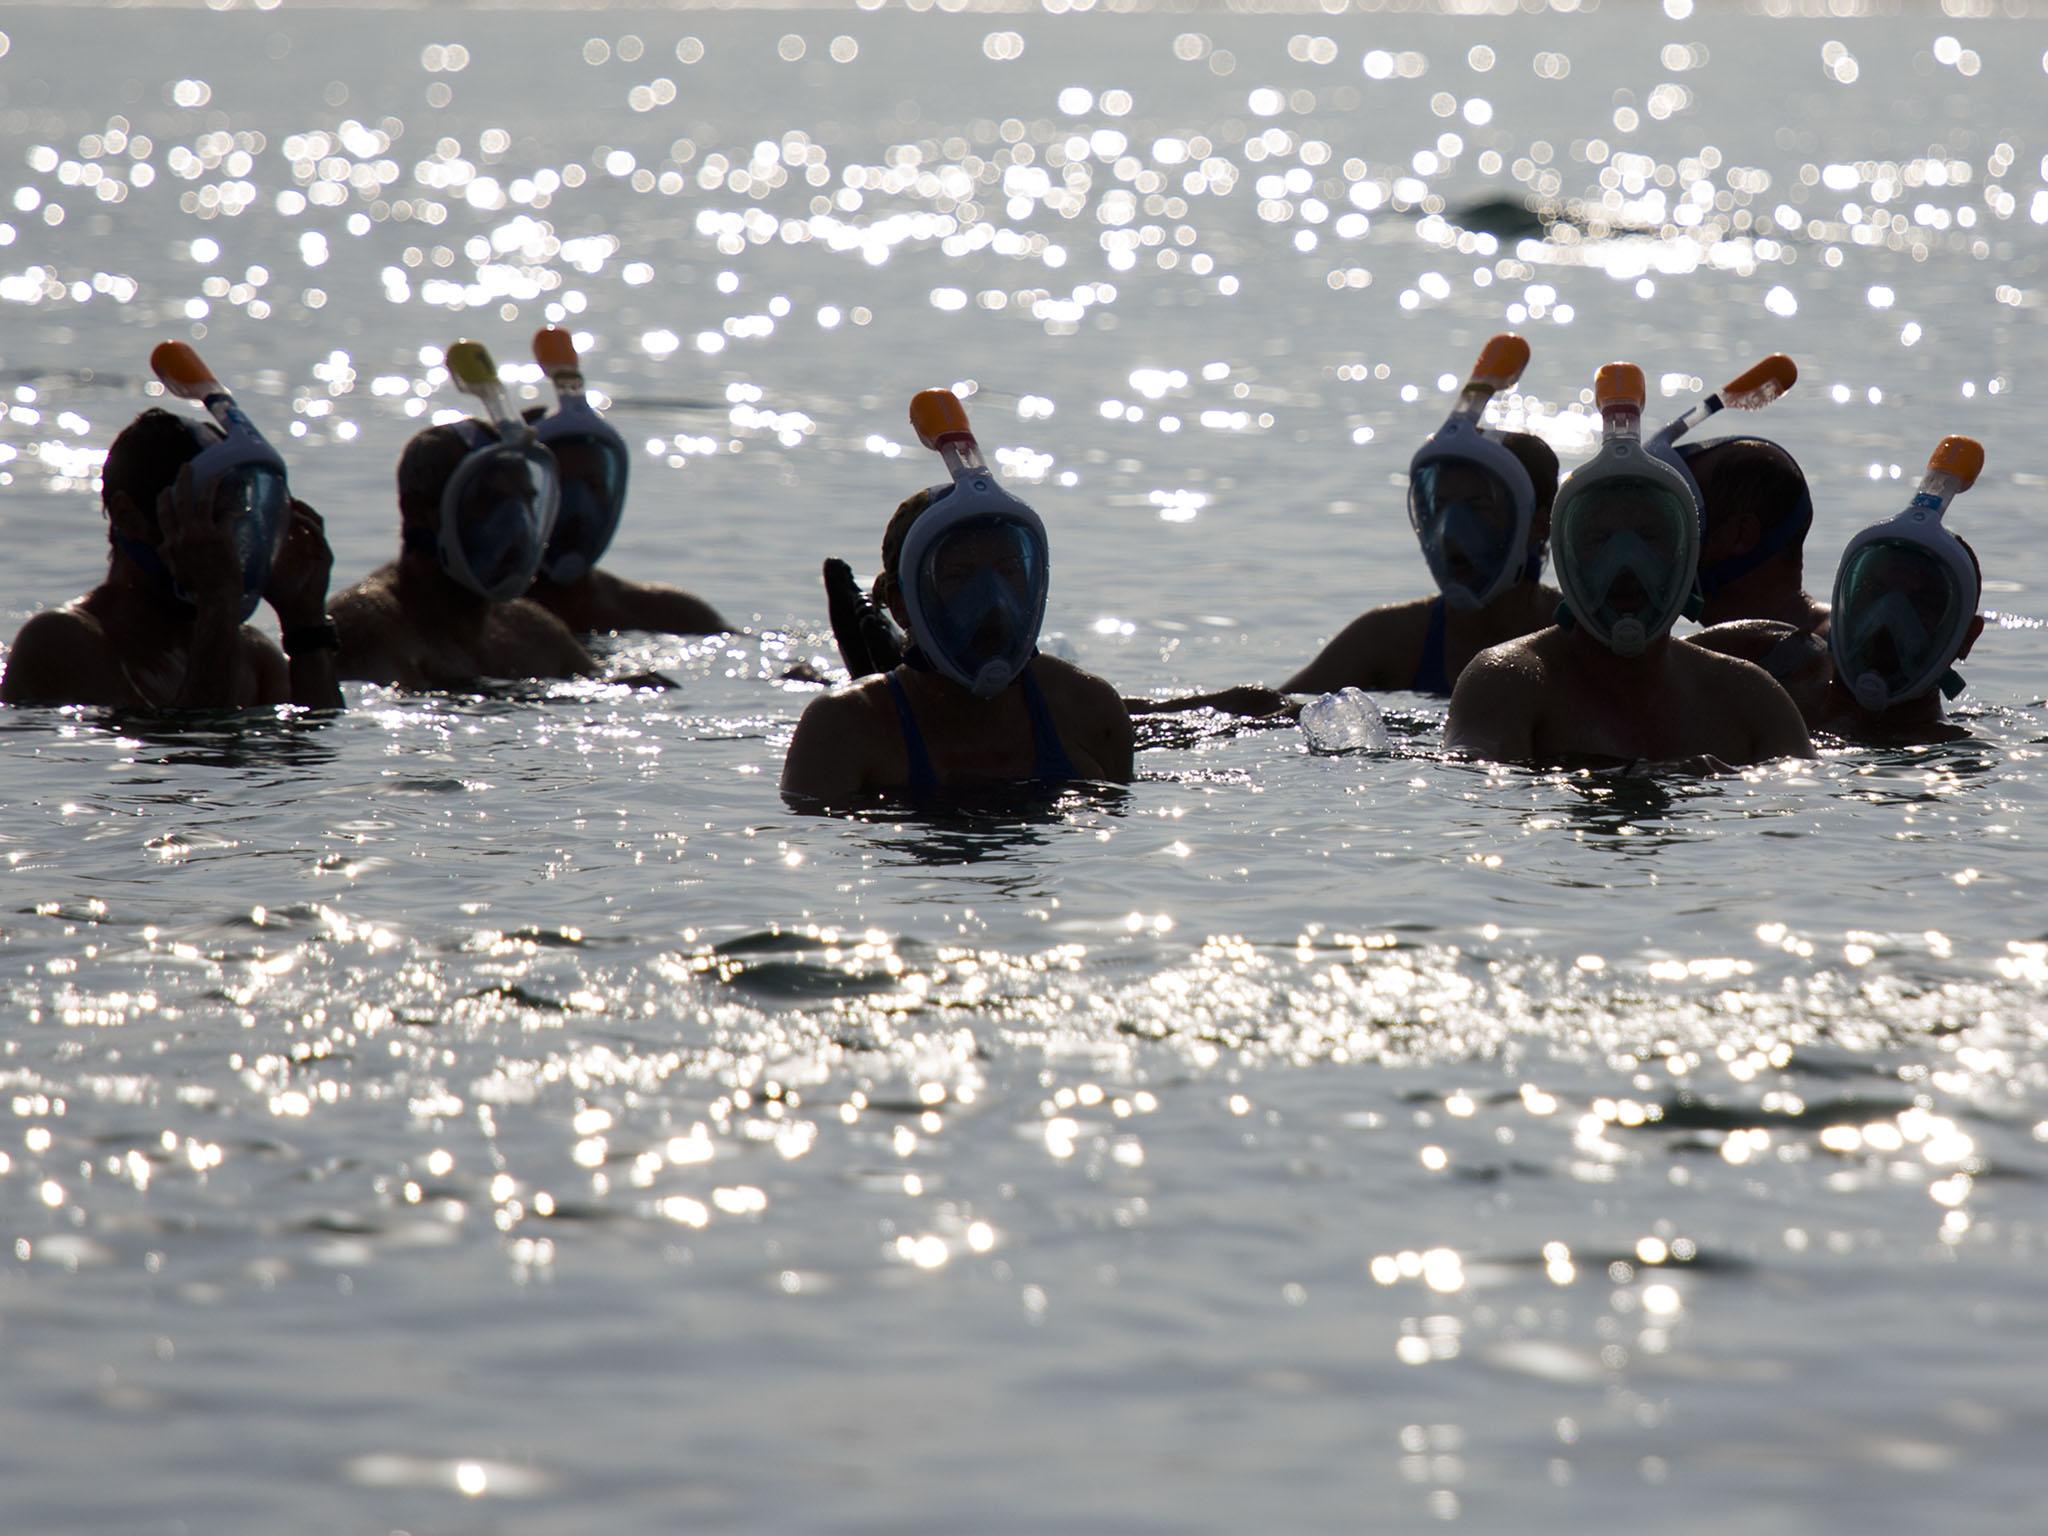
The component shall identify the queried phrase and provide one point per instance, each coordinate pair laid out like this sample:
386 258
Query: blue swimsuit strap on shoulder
1049 758
1431 676
922 778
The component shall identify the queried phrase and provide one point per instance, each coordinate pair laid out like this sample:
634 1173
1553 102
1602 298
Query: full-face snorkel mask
1625 531
1749 391
1470 501
975 566
233 462
590 457
500 504
1906 592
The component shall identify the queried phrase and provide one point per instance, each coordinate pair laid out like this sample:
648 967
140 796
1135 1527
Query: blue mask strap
1789 531
1564 618
1951 683
1695 605
151 564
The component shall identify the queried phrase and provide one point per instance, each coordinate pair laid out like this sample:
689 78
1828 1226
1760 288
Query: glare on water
506 1103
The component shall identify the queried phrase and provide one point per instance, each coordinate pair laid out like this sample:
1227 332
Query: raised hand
198 544
297 590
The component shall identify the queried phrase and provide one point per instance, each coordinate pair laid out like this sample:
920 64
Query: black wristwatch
312 637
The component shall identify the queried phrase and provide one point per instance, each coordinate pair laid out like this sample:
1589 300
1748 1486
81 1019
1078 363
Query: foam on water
507 1100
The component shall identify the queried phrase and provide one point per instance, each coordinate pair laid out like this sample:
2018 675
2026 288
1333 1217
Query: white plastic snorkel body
591 458
1906 592
500 504
233 460
1748 391
1625 532
975 567
1470 501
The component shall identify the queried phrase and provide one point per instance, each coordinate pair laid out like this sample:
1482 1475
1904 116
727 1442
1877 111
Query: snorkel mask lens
1624 559
593 475
496 517
978 589
261 504
1465 519
1897 616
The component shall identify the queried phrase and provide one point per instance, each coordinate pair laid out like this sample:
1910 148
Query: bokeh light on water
415 1108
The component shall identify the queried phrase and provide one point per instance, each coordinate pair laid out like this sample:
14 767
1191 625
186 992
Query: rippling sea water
503 1114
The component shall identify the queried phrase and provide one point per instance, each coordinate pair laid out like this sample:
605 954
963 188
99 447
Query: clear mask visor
245 477
593 474
981 592
496 517
1621 548
1899 619
1465 518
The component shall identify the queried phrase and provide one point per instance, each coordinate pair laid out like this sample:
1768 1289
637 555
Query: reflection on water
408 1109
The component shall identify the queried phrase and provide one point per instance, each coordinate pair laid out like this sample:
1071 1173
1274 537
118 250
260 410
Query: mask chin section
1628 637
1871 693
992 679
567 568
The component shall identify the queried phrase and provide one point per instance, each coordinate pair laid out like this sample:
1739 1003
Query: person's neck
1508 617
1905 723
435 601
138 604
1765 593
1619 674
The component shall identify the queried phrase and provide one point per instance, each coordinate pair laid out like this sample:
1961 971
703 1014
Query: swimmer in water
592 458
1479 502
476 503
972 703
1905 611
1755 509
1608 682
203 529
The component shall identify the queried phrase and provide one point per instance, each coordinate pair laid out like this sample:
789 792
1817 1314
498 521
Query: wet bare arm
1358 656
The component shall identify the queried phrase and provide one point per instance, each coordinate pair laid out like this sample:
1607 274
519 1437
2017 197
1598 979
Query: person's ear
892 596
1970 635
128 519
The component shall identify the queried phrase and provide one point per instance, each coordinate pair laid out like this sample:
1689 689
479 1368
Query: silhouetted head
141 465
888 589
1539 459
1756 509
425 467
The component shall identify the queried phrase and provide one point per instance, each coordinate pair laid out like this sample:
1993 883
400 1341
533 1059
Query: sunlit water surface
503 1114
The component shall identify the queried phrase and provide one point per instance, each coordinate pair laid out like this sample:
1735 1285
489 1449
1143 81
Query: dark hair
1539 459
145 459
424 469
893 538
1747 474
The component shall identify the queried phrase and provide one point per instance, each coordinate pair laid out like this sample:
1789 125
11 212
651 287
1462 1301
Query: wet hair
1539 459
429 461
1746 474
145 459
893 539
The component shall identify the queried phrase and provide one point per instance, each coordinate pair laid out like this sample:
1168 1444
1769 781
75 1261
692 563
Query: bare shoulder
1068 684
619 603
1497 699
59 657
375 634
840 740
543 644
371 602
1749 639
